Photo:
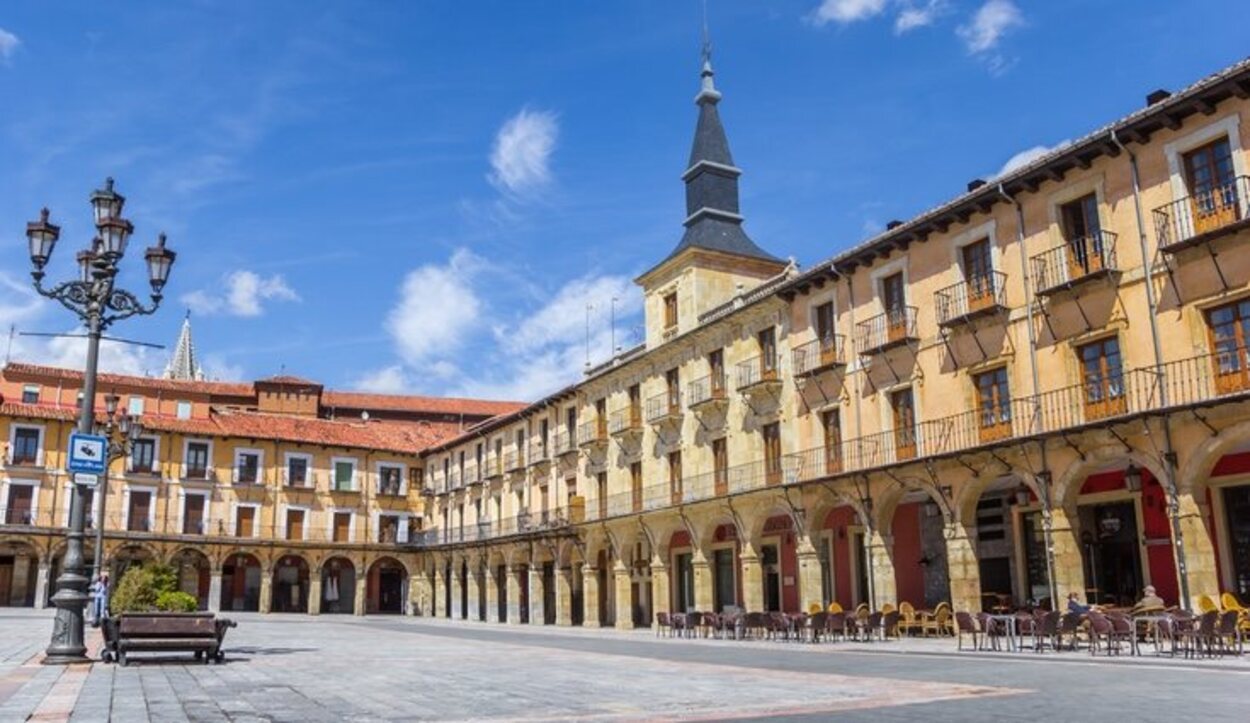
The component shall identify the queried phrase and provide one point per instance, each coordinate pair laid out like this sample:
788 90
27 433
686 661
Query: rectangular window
670 310
342 530
135 405
25 445
674 476
390 479
344 475
477 458
716 363
672 380
193 515
771 434
993 404
30 394
184 410
903 408
1082 230
1102 378
635 404
388 529
893 297
140 509
720 466
143 455
21 506
767 339
295 524
297 471
831 427
635 485
1212 188
978 275
197 460
1228 331
247 467
823 319
601 489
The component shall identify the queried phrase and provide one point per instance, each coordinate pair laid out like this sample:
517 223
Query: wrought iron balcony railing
886 331
706 390
592 433
973 297
1076 261
665 406
818 355
758 370
1202 216
625 420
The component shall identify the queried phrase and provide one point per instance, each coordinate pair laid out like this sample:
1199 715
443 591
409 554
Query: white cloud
563 319
8 44
387 380
846 11
1027 156
217 368
521 157
913 16
438 308
243 293
989 24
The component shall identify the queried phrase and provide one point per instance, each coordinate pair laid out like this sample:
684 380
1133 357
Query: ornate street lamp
122 432
96 300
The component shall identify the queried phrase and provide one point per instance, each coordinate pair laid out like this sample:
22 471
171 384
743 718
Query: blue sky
423 197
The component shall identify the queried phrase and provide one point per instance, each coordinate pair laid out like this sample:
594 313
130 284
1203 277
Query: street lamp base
67 658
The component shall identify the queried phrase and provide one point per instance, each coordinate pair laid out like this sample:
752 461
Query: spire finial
707 39
707 91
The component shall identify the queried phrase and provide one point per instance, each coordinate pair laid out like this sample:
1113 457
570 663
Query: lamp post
129 429
94 299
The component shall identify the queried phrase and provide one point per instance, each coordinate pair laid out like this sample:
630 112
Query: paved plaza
295 668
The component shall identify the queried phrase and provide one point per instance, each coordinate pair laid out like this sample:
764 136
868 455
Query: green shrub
149 587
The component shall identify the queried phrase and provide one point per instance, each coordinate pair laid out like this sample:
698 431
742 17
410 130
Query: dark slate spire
713 220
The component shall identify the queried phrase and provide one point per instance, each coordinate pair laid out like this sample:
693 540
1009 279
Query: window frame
334 473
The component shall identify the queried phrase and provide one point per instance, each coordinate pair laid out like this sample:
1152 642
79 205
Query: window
544 430
135 405
1102 377
446 473
196 460
823 319
26 443
247 466
20 505
601 489
674 476
903 409
30 394
672 380
635 485
767 339
297 470
193 514
477 459
771 434
978 274
245 521
716 363
184 410
138 511
390 479
670 310
143 455
1082 230
1213 193
341 530
1229 328
831 426
720 466
893 297
294 524
993 404
635 401
388 528
460 465
344 475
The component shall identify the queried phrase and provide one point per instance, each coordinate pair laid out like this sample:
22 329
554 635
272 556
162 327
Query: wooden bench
198 633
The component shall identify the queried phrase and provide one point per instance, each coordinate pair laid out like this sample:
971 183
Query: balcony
626 421
513 461
1075 263
24 458
664 408
199 474
19 516
818 356
566 442
971 299
593 433
1203 217
540 453
492 468
247 476
759 373
884 332
707 393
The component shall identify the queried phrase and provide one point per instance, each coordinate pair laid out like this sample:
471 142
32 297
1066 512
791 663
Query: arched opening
844 559
779 565
338 586
386 587
19 570
194 574
290 585
1004 524
240 583
723 553
123 559
1227 502
917 532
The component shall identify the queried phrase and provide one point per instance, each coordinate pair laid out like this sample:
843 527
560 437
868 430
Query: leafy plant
177 601
149 587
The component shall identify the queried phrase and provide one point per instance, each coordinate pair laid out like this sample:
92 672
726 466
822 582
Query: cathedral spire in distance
182 364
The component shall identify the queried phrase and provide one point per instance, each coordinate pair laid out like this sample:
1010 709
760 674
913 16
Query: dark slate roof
710 143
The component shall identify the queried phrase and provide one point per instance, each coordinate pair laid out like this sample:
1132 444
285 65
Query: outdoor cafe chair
1228 633
663 625
965 625
835 625
816 625
1046 631
1199 638
1069 628
992 631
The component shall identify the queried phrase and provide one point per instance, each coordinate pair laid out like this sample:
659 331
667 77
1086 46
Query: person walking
100 599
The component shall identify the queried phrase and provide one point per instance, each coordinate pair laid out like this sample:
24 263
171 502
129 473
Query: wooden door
672 378
635 407
1228 327
768 353
193 515
720 466
772 453
1212 191
1103 379
245 522
602 484
978 268
716 362
294 524
993 405
674 477
601 419
20 512
824 334
635 485
903 405
893 297
1082 230
831 423
140 506
342 526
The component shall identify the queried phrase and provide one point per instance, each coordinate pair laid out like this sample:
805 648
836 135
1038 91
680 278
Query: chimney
975 183
1157 96
893 225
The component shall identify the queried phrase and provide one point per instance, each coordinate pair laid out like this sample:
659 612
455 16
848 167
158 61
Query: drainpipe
859 437
1169 453
1044 477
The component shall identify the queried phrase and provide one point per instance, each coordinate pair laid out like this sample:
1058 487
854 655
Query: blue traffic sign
87 453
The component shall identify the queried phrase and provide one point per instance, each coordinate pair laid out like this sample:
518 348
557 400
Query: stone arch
338 584
1195 474
193 569
886 502
242 570
386 586
126 553
290 587
1068 485
971 491
23 576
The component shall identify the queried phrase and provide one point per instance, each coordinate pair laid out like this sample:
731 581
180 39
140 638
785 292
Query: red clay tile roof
230 389
289 379
398 403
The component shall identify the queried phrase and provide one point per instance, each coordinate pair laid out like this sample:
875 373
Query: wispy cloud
989 24
1027 156
846 11
8 45
521 157
242 293
919 15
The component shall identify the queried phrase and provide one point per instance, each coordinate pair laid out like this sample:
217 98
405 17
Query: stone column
963 567
471 580
492 596
661 587
457 610
537 595
1199 551
214 589
314 592
880 556
624 608
266 589
590 597
41 585
704 600
514 595
362 590
564 596
752 579
811 591
416 595
21 573
440 590
1069 564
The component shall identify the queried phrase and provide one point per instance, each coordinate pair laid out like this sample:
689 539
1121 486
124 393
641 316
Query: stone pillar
1069 564
564 596
811 591
752 579
457 610
492 596
314 593
704 599
266 589
1199 551
590 597
963 567
362 591
440 591
880 557
537 595
41 585
214 589
514 595
416 595
21 573
624 608
471 579
661 587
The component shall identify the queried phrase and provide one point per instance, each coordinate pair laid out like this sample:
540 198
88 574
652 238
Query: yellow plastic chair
861 610
834 607
1230 602
907 621
813 608
1206 604
887 608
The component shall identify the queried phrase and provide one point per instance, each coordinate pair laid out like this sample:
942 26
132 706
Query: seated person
1076 606
1150 602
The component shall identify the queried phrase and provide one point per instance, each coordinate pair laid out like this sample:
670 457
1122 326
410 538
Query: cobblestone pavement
343 668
